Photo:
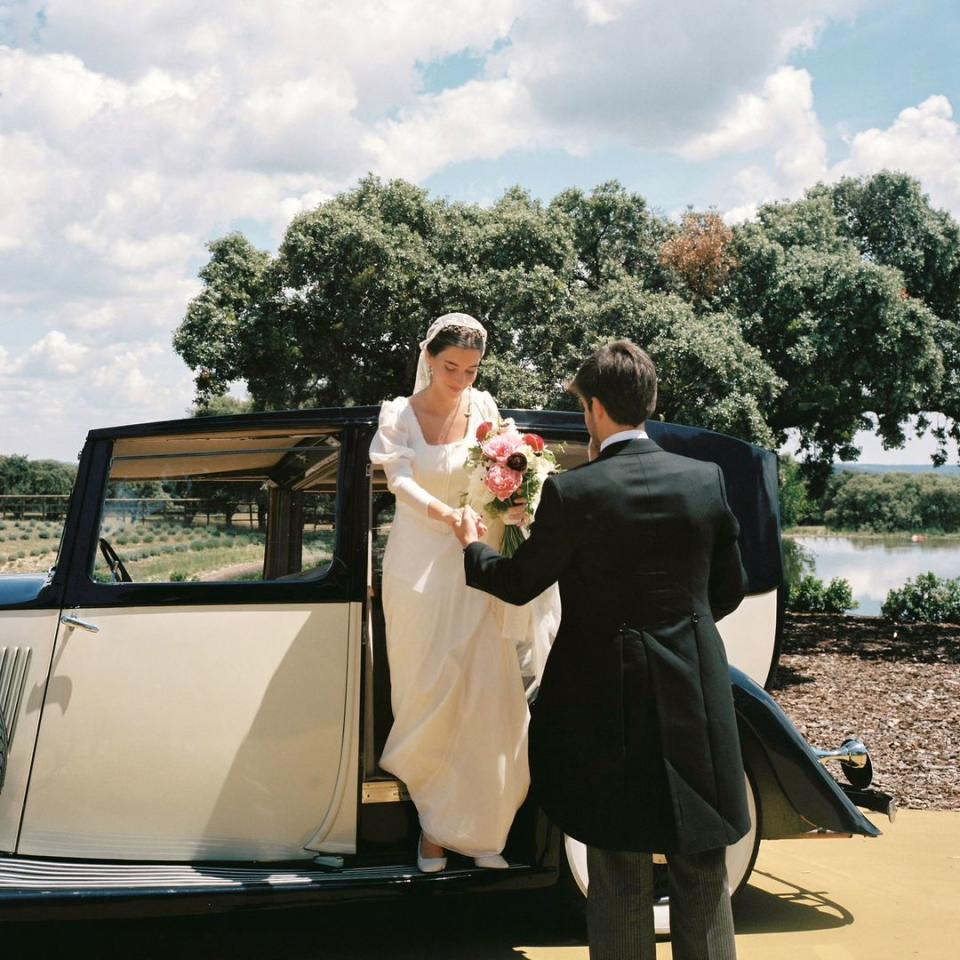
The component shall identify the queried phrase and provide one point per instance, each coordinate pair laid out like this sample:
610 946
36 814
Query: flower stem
512 538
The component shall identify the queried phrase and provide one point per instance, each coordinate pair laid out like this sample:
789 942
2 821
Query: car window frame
340 582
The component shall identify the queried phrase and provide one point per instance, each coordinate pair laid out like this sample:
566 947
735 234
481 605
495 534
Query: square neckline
450 443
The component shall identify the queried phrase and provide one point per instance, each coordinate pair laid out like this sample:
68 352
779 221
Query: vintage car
194 699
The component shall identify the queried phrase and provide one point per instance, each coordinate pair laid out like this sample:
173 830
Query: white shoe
492 861
429 864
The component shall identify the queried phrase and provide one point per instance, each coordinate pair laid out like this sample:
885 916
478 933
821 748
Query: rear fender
797 793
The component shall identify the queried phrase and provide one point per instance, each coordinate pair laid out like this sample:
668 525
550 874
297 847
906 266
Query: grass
29 546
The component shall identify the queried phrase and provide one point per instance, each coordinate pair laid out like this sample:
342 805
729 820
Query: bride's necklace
451 420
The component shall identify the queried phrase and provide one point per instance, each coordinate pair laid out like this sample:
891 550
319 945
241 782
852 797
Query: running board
31 887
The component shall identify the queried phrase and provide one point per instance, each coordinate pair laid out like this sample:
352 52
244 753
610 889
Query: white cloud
479 120
132 134
52 356
923 140
780 124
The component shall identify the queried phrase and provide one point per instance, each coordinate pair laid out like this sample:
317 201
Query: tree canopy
23 476
833 313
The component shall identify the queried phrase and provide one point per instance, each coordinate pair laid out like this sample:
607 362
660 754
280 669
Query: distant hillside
950 470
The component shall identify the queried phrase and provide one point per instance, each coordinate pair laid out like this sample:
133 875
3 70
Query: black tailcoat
633 736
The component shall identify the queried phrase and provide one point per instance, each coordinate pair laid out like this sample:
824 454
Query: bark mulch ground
895 687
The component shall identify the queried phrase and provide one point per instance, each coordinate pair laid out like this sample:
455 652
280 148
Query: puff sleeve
390 449
487 406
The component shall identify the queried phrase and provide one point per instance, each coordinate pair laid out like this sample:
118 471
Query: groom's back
645 523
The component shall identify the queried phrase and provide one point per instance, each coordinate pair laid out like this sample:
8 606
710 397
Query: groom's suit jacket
633 737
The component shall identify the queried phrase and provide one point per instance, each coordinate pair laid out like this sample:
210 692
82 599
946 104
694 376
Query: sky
133 134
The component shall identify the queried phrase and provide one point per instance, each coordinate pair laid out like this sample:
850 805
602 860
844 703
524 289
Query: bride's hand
477 519
481 525
516 516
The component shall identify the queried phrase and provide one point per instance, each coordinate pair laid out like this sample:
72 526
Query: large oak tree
825 315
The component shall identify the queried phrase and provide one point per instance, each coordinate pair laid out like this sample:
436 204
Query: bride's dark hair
453 336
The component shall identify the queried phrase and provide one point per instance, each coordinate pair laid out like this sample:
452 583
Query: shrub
796 504
178 576
928 599
811 595
893 502
797 561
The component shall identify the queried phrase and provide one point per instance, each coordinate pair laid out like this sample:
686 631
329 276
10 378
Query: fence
318 511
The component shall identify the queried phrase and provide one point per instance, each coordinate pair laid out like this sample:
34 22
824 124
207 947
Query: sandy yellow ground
892 898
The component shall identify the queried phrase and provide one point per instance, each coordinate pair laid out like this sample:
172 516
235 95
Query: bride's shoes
492 861
429 864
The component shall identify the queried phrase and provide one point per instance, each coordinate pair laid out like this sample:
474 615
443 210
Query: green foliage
708 374
835 328
890 221
797 561
796 504
893 502
813 596
829 314
927 599
20 475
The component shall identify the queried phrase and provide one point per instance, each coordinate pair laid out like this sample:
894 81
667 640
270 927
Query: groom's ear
597 410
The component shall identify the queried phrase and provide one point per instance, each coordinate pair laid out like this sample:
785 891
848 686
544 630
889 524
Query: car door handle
77 622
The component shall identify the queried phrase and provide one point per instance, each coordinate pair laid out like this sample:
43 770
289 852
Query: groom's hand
466 528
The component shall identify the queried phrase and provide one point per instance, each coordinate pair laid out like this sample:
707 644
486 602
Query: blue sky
127 143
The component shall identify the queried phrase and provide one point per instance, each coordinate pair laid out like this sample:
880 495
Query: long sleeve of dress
390 449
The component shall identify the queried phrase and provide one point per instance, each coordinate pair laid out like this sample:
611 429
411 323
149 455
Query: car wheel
741 857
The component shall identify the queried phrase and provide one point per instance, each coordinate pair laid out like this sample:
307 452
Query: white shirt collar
623 435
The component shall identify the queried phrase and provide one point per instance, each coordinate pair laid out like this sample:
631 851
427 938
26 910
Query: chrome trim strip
14 662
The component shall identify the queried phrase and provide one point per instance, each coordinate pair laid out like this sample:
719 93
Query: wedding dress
459 735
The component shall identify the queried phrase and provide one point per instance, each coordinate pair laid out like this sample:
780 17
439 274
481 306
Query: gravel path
895 687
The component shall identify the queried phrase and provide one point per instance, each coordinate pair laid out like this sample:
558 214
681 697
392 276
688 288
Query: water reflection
875 566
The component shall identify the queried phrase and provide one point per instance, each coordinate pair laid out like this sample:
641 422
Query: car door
203 697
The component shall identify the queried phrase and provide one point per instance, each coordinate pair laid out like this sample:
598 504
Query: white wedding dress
459 736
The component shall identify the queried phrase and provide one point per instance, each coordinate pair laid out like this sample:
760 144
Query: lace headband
441 323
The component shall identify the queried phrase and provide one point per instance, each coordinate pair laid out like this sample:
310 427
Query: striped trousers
620 906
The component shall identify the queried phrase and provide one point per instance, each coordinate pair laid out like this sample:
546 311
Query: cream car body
172 739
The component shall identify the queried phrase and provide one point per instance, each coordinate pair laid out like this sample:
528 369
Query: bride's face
455 369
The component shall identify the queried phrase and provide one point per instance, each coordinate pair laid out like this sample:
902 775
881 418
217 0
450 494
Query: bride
459 736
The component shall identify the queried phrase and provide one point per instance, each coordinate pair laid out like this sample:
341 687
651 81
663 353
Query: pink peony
501 446
503 482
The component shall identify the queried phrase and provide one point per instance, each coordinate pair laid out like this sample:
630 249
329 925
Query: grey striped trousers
620 906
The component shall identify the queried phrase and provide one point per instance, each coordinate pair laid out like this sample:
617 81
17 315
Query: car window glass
31 526
219 509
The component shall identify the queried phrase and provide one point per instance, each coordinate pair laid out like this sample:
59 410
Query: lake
876 565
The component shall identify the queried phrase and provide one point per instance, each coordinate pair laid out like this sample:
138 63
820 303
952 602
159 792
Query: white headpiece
447 320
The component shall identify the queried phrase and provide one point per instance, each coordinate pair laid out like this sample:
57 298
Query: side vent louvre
13 678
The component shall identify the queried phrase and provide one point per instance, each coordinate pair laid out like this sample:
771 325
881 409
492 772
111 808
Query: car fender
797 794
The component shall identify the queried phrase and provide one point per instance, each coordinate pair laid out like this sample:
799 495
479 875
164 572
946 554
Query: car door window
218 509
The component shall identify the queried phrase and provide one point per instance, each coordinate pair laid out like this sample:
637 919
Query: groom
633 738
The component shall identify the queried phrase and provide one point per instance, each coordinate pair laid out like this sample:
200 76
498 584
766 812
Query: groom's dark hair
623 378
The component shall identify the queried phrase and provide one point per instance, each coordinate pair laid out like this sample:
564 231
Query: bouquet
505 466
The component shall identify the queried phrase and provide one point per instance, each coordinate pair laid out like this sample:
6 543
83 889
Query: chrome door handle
69 621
